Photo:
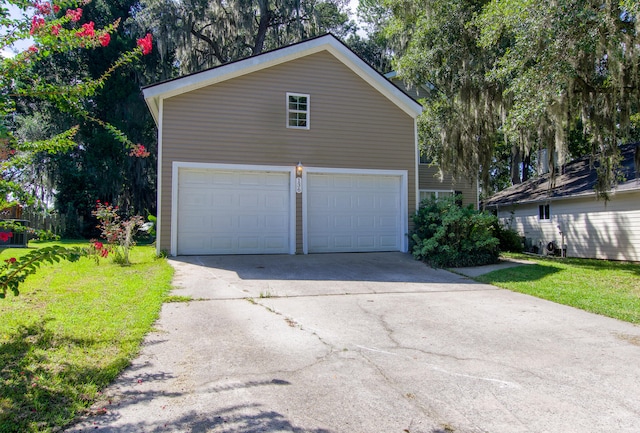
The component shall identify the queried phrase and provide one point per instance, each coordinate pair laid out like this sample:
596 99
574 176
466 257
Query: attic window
297 111
543 212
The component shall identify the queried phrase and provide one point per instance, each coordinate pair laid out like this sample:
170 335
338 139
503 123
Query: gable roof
154 93
577 180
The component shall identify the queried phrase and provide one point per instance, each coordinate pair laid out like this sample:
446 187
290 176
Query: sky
22 45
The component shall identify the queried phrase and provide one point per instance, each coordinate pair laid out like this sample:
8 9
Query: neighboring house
568 213
430 182
303 149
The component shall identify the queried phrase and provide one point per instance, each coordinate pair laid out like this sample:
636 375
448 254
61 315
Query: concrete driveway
369 343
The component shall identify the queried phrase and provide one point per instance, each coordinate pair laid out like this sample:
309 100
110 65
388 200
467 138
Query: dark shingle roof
578 179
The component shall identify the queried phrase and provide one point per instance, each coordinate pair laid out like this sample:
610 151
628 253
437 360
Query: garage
234 211
355 212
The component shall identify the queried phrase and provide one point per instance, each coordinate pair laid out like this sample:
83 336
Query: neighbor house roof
578 179
154 93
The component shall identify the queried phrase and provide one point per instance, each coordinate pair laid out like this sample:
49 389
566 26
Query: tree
54 30
100 167
204 33
528 73
572 61
435 45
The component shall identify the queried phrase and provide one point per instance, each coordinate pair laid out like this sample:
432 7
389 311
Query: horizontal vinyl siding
243 121
592 228
429 180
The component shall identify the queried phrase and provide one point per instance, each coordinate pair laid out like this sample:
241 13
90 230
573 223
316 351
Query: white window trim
308 111
546 211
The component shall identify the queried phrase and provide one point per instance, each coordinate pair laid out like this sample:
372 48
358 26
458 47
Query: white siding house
568 214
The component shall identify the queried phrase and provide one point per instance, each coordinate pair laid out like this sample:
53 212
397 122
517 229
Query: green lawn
71 330
603 287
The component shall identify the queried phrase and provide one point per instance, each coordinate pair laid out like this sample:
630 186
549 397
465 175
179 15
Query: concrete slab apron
370 343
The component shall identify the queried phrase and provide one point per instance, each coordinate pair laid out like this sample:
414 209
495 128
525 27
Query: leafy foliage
119 234
448 235
28 84
510 240
200 34
111 153
14 271
540 77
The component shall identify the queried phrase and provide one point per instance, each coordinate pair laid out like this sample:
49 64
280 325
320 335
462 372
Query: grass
603 287
69 333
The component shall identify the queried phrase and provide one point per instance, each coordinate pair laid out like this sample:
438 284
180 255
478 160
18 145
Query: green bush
510 240
448 235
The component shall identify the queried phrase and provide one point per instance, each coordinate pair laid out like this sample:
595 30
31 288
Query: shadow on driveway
380 267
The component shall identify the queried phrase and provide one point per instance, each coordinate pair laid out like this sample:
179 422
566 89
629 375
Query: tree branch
214 46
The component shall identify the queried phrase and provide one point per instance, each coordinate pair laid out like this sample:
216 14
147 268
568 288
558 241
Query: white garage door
353 213
233 212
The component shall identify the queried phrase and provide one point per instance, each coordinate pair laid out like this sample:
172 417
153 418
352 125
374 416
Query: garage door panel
276 201
233 212
343 241
220 243
198 179
274 243
219 199
251 179
221 178
341 223
275 222
340 201
353 212
366 241
366 222
248 200
249 222
276 180
390 222
196 199
251 243
341 182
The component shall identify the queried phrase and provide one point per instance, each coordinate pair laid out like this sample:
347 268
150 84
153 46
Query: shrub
448 235
118 234
510 240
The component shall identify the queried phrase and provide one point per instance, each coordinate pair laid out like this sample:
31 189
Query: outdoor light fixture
299 169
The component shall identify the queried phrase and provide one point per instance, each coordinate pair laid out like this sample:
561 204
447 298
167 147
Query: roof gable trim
154 93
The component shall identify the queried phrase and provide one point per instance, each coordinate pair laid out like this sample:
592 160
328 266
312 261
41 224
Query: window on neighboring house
297 111
543 211
425 159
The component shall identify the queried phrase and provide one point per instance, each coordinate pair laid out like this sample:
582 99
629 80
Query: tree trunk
516 159
263 26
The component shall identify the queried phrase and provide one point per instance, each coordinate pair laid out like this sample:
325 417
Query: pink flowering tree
55 28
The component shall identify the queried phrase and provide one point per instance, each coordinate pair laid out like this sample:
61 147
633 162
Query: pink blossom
36 23
139 151
43 8
5 236
74 15
87 30
145 44
104 39
55 29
